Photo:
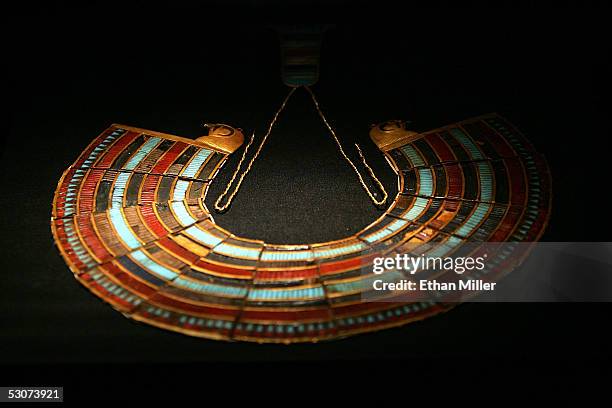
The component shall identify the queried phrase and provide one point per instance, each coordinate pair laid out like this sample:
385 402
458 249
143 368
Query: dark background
73 70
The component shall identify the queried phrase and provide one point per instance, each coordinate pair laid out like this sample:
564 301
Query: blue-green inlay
153 266
75 243
425 182
322 253
118 291
298 255
475 219
467 143
203 237
180 210
237 251
419 206
180 190
123 230
201 287
119 189
486 181
196 163
396 225
316 292
144 150
364 283
75 180
385 232
444 247
413 156
377 236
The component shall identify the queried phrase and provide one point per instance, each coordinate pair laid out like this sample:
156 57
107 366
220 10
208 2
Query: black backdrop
74 70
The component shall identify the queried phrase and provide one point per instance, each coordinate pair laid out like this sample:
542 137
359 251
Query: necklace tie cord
387 138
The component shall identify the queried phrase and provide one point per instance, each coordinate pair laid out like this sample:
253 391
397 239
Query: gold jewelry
130 219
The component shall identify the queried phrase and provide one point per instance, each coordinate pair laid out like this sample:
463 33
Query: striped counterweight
300 47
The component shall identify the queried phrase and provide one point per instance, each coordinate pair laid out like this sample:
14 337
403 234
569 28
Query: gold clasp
222 137
391 134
